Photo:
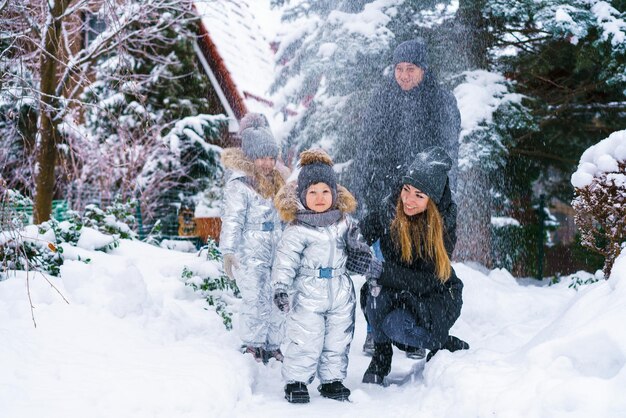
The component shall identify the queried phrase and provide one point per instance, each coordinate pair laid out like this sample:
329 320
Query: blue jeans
391 322
379 255
377 252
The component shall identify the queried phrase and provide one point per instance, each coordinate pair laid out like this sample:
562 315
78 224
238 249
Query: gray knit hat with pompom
256 139
251 120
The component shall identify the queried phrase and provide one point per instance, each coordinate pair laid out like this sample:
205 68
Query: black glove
281 300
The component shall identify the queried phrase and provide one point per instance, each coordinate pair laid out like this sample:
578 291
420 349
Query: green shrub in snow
217 291
20 252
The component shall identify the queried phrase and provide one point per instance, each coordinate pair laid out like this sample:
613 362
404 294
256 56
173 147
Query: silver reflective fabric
320 325
250 230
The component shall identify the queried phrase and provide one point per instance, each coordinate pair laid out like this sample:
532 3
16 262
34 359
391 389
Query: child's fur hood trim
234 159
266 186
287 202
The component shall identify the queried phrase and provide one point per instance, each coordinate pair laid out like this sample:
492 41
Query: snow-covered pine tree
493 117
567 59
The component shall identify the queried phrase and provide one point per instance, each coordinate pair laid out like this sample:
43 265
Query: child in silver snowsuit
311 266
250 231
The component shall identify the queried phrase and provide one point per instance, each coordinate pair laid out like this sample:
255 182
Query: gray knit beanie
413 51
316 167
429 172
258 142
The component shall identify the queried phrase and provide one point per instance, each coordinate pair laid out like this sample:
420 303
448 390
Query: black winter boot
273 354
296 392
257 352
334 390
380 366
452 344
416 353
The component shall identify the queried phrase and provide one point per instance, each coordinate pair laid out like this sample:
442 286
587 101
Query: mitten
281 300
375 269
230 262
359 254
354 240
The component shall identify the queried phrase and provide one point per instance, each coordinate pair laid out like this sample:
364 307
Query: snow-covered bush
20 249
515 244
600 197
113 220
17 252
41 247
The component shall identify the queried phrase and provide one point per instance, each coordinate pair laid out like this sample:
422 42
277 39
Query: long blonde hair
421 236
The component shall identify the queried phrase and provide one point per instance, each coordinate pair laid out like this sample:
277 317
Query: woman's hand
281 300
375 288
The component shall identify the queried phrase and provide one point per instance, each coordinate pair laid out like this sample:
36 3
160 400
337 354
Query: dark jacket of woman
436 305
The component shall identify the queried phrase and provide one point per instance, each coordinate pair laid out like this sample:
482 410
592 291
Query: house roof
237 57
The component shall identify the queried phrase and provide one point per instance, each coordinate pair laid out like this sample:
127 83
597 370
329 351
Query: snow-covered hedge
600 200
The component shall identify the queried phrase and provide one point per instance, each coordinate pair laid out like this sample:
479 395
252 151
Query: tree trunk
49 108
473 38
474 219
467 46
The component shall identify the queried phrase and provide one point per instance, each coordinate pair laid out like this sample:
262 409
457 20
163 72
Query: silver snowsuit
310 264
250 230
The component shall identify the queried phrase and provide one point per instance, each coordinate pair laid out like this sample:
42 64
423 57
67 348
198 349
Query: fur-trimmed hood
288 204
267 186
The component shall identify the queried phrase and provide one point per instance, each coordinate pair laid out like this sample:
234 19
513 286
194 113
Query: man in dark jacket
406 114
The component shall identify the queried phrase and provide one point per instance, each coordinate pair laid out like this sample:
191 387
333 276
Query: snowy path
135 342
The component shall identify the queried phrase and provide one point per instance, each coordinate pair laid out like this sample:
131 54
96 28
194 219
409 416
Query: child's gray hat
256 139
316 167
413 51
253 120
429 172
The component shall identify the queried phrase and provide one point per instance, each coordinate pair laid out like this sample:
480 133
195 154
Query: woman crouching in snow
311 264
418 297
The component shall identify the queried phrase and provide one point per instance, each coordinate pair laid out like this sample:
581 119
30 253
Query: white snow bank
135 341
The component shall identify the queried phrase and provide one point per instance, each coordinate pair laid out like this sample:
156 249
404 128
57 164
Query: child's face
319 197
413 200
265 165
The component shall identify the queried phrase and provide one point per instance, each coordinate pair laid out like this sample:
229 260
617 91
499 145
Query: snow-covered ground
133 341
